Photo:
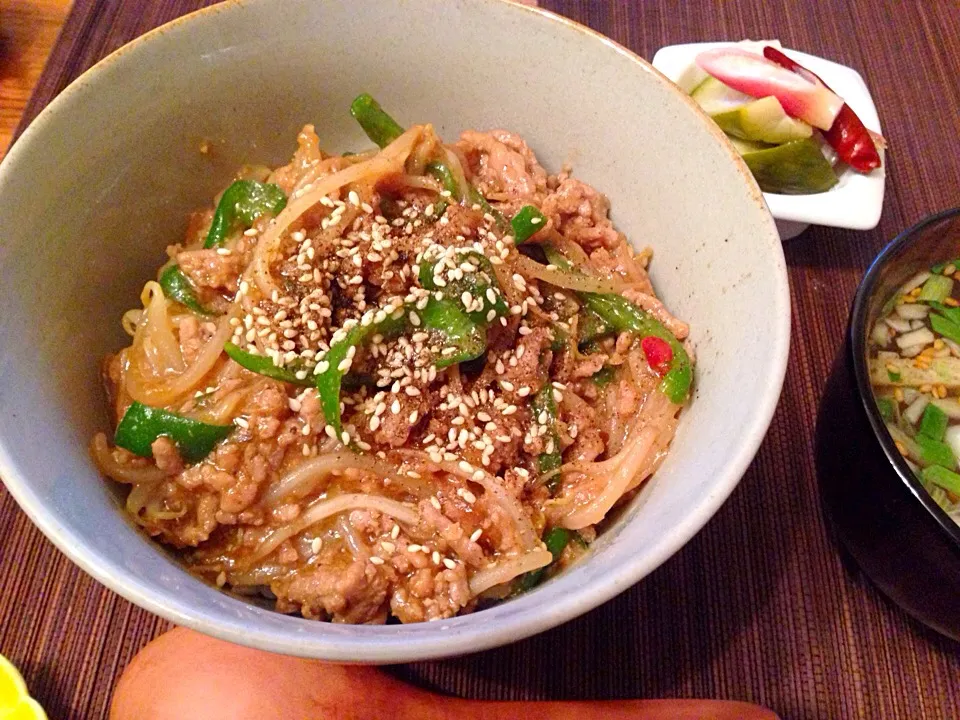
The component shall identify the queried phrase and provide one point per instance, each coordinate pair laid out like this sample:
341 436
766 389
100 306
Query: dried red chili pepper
848 135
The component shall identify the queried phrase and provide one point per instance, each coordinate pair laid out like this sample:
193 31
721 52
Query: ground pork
431 594
210 269
656 308
354 594
503 165
579 213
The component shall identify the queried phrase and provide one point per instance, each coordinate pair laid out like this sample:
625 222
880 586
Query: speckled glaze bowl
105 177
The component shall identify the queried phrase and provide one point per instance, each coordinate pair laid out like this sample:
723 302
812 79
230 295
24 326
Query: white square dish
856 200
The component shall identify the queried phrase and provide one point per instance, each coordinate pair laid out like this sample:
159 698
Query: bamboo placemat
760 606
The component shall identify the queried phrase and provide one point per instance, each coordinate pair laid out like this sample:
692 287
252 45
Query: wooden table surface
760 606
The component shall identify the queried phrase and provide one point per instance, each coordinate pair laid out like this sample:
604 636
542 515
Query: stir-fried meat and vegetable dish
395 383
915 373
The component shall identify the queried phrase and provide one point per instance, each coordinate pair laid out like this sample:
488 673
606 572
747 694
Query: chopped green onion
947 479
934 422
934 452
945 327
886 407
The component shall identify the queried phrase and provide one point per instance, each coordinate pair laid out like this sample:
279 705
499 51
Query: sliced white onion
920 336
165 392
898 324
322 509
916 281
880 335
913 311
916 408
103 456
954 347
910 394
565 278
303 478
507 569
916 324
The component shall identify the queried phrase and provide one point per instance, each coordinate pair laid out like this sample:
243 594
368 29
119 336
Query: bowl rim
857 336
470 636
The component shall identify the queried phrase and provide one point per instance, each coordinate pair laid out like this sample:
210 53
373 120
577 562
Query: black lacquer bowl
886 520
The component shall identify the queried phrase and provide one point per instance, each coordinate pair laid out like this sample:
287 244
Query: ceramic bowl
856 201
890 525
106 175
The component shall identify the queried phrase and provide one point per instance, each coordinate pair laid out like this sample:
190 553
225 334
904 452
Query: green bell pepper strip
556 540
622 315
383 130
590 326
468 338
934 422
604 376
263 365
941 476
244 201
177 286
526 223
376 123
544 409
444 317
474 283
141 425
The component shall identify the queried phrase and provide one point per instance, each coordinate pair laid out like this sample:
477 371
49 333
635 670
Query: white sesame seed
449 564
376 560
476 535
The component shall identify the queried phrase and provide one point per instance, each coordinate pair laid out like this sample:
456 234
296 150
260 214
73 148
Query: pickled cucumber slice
714 97
763 120
794 168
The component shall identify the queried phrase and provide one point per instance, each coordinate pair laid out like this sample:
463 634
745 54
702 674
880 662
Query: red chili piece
848 135
658 352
